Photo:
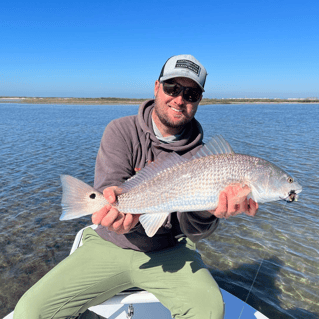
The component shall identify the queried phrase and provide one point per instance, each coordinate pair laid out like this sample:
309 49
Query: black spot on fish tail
92 196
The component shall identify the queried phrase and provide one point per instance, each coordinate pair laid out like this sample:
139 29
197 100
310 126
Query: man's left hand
233 201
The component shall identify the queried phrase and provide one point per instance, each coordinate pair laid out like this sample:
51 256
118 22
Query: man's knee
210 307
27 308
201 304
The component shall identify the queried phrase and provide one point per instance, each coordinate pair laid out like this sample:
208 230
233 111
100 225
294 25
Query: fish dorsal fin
215 146
151 170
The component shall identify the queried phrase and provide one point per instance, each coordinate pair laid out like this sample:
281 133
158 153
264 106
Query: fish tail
78 198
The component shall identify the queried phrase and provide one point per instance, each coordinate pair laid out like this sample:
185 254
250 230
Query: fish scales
194 185
176 184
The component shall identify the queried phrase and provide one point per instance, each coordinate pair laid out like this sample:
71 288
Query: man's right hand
110 217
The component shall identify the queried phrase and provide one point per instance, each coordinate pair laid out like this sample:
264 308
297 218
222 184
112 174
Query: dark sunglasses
190 94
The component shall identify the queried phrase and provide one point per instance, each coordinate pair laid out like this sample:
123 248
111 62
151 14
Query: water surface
270 260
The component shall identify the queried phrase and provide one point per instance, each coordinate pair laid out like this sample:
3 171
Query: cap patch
186 64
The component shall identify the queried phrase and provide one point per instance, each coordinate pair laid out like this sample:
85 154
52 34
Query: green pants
99 269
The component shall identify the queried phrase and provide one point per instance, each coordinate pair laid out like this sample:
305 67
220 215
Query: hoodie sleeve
113 162
197 225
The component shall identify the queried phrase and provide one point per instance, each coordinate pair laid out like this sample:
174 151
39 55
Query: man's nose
179 99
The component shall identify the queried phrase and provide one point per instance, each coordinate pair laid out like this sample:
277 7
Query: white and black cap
184 65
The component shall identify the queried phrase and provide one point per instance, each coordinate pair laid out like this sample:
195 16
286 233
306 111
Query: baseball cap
184 65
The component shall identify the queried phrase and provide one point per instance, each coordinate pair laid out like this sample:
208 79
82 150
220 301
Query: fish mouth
292 196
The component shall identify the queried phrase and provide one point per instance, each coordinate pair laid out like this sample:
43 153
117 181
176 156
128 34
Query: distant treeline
234 101
116 100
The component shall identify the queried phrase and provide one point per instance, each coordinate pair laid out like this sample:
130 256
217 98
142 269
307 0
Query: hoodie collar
191 137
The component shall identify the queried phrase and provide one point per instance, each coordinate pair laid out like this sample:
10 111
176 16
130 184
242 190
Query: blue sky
117 48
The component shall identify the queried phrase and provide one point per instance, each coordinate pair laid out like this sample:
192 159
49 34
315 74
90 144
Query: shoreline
128 101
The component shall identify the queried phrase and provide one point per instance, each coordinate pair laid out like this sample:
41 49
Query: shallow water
270 260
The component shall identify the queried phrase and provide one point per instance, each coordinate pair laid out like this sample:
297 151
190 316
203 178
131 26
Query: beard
165 120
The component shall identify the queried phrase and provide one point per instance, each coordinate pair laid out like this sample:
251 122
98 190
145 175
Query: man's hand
233 201
111 218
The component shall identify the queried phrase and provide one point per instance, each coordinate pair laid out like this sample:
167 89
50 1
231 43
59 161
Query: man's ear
157 86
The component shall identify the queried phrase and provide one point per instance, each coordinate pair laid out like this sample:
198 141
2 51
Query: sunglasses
190 94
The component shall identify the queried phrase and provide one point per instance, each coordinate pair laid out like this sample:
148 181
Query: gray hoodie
127 145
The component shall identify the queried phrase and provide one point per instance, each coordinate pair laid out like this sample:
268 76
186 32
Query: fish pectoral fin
152 222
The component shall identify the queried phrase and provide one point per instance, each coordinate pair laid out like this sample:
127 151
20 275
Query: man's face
174 112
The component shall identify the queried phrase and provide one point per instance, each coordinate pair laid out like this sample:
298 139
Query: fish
176 184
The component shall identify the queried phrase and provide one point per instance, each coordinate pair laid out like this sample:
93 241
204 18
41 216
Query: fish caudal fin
79 199
152 222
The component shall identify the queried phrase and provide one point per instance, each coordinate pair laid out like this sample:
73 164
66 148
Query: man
119 255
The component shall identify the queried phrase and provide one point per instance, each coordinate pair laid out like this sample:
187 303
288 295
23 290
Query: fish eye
92 196
290 180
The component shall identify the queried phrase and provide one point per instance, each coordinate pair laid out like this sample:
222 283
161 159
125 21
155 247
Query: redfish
183 185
